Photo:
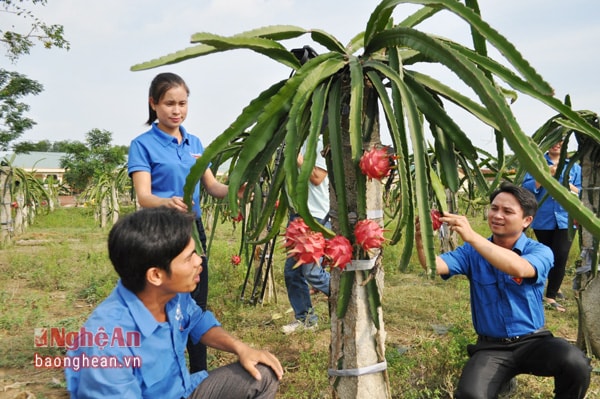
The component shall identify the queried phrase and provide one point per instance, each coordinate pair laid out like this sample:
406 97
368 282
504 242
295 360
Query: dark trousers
559 243
233 381
494 363
197 353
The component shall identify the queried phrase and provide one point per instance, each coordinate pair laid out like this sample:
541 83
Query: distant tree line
84 162
44 146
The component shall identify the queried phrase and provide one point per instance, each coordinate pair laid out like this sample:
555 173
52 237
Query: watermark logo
83 361
59 337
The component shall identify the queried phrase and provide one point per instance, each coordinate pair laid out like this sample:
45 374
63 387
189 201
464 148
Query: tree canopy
91 160
20 43
42 146
13 85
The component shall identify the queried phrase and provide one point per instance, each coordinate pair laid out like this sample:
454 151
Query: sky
91 86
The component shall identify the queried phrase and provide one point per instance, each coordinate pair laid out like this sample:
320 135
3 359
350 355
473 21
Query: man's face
555 149
185 270
505 217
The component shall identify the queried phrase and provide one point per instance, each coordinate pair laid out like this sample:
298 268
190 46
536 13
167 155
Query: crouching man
507 272
154 254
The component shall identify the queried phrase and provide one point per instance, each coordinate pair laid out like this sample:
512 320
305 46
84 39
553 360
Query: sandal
556 306
560 296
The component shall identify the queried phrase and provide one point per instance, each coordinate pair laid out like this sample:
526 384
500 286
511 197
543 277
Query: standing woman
159 162
551 222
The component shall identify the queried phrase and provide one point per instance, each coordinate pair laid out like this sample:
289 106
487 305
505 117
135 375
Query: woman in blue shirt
159 162
551 222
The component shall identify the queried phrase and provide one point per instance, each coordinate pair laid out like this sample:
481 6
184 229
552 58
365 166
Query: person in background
305 279
154 254
551 223
297 279
159 162
507 273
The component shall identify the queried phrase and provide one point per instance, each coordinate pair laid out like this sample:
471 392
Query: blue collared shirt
167 161
163 372
550 214
503 306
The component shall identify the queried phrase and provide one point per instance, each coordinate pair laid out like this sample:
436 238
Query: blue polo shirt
550 214
167 161
503 306
160 349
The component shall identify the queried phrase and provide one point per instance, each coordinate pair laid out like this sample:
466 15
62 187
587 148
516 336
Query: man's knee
269 381
578 364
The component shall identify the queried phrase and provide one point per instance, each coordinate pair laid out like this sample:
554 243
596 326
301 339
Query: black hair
525 197
150 237
159 86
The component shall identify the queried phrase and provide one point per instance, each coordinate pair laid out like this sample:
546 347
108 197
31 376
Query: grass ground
57 271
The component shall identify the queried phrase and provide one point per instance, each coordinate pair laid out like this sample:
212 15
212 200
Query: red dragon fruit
338 252
435 219
235 260
296 228
368 234
308 248
238 218
376 163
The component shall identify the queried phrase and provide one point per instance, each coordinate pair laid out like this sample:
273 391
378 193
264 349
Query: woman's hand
176 203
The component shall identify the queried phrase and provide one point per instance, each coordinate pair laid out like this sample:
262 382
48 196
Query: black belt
510 340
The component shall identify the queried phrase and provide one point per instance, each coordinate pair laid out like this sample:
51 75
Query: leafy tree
385 68
13 85
17 43
89 161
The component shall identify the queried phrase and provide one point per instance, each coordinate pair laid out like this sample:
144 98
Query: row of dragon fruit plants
23 197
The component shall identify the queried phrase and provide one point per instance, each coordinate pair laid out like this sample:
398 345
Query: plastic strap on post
376 368
375 214
367 264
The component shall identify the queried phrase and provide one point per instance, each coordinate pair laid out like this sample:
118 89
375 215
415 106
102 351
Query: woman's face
171 109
